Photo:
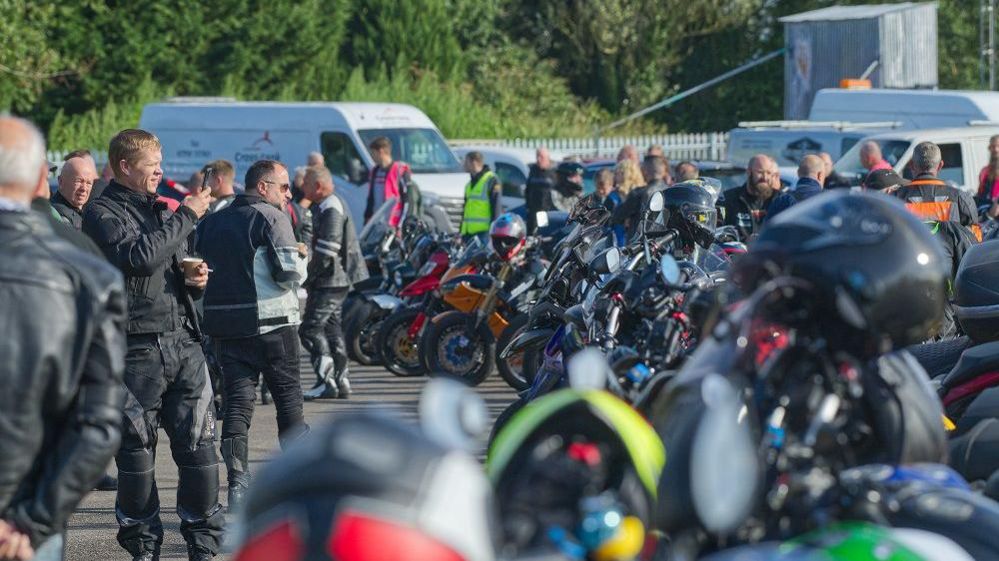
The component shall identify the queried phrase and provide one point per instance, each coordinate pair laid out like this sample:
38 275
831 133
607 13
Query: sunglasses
284 186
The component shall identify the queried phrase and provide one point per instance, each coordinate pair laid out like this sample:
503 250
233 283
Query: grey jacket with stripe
337 261
257 269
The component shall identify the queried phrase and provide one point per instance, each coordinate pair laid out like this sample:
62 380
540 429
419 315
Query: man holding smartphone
166 377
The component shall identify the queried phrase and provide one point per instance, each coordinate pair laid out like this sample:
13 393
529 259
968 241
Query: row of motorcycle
674 406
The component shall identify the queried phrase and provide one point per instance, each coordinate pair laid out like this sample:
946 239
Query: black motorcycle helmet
877 276
691 210
569 169
367 487
976 292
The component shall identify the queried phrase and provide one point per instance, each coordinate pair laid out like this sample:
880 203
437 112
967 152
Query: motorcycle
399 335
462 342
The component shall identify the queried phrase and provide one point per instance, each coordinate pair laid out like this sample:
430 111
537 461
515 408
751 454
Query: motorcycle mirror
541 218
657 202
453 414
723 492
669 269
588 370
606 262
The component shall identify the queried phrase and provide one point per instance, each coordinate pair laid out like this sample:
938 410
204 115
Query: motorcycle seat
939 357
974 361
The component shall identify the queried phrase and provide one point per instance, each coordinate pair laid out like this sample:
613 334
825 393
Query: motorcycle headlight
724 466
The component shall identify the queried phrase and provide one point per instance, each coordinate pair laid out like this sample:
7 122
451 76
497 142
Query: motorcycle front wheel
452 346
400 354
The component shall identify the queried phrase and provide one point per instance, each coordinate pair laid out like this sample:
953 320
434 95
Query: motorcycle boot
235 452
340 377
326 387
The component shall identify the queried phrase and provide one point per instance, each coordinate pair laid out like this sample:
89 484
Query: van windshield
849 167
423 149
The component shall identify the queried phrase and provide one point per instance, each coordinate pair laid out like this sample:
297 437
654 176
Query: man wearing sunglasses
251 311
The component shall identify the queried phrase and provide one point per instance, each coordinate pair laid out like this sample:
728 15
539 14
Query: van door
349 171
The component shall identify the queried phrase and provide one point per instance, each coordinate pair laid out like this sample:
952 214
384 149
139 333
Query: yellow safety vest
478 212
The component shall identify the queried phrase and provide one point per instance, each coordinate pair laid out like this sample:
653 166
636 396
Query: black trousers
273 355
167 385
322 330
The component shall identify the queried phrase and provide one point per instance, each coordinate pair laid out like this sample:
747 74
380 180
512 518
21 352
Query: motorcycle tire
502 420
447 339
511 369
359 333
398 354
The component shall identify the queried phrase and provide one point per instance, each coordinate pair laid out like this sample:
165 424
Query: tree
27 61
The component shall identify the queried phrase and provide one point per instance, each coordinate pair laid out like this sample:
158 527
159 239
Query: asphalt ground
92 529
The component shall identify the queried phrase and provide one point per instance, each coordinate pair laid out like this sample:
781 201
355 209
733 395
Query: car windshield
849 167
423 149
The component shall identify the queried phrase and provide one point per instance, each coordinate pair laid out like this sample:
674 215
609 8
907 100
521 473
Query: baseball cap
882 179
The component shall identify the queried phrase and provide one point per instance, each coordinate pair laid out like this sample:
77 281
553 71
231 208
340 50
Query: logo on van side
266 138
257 152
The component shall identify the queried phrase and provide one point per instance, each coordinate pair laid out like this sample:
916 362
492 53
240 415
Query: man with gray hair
337 263
60 411
930 197
76 180
315 159
811 175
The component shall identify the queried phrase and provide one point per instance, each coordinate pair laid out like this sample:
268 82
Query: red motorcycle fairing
430 281
421 286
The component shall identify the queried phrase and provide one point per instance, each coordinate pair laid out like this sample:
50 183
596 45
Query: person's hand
199 203
200 277
13 544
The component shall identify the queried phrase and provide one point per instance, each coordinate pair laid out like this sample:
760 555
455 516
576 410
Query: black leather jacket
337 261
72 216
140 236
63 348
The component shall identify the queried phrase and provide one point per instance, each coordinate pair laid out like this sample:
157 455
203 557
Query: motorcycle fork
489 300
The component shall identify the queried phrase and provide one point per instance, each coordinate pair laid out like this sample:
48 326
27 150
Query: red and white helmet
508 235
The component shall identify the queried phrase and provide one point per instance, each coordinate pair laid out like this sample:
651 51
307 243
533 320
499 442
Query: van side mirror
356 172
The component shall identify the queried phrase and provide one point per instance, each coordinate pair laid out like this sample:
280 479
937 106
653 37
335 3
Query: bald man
76 180
746 206
61 411
870 156
811 175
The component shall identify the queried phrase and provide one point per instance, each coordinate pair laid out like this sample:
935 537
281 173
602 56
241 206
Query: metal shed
824 46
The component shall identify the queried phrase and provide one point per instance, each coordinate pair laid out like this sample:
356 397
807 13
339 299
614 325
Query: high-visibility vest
478 211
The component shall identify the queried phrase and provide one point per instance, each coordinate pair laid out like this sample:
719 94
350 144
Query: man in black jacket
63 317
337 263
75 183
538 189
932 198
745 207
251 311
165 376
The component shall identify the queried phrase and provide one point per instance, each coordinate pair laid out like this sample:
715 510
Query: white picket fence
56 156
683 146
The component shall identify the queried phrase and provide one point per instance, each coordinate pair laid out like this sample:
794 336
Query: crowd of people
118 327
127 311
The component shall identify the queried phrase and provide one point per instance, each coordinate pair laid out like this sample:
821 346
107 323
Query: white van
195 131
965 152
787 142
913 109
